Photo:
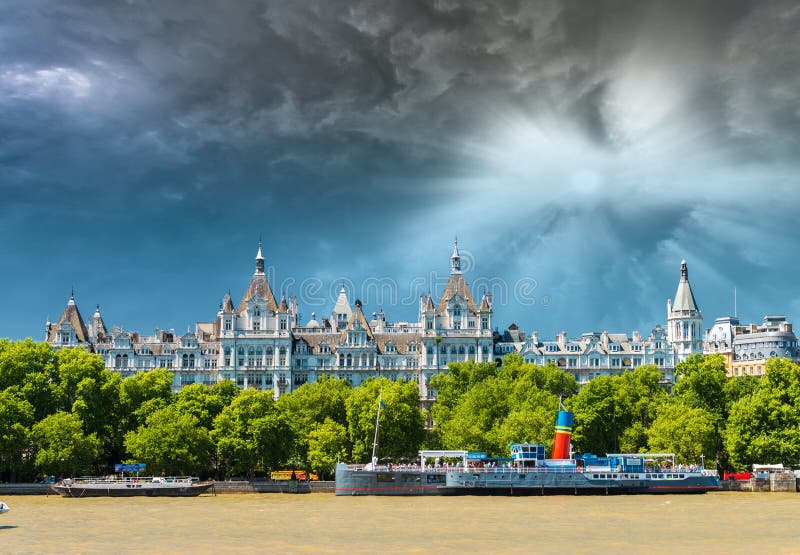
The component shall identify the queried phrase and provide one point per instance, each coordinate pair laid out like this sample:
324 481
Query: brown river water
322 523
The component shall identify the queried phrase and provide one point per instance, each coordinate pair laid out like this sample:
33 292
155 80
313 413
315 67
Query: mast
377 422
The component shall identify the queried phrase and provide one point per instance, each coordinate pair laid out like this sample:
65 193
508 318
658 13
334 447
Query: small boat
155 486
4 508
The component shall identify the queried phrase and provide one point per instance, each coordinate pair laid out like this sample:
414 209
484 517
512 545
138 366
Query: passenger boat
528 472
626 473
131 487
4 508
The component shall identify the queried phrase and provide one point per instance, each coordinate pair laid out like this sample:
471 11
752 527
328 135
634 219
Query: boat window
436 479
410 477
682 476
385 477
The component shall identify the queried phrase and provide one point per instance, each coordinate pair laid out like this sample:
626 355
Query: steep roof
259 287
429 304
456 285
342 305
684 297
72 315
358 316
98 325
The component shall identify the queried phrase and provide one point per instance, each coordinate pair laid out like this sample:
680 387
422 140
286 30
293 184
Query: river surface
322 523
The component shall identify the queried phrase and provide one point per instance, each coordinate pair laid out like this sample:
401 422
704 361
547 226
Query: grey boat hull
573 483
388 482
134 490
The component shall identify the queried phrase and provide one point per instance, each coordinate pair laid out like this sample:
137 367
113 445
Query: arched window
472 349
118 361
124 361
185 361
349 360
461 349
453 350
269 351
191 361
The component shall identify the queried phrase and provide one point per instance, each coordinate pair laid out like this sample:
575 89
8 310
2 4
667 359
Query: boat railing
131 480
513 469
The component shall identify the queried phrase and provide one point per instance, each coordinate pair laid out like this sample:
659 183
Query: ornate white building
259 342
607 354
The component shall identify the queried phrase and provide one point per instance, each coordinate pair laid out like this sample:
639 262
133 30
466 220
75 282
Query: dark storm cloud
564 139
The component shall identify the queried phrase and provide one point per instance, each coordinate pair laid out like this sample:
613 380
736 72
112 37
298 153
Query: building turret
341 310
259 288
259 259
684 319
455 259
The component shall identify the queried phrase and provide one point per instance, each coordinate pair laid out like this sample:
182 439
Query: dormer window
390 348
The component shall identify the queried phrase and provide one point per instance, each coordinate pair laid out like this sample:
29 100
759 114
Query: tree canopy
62 413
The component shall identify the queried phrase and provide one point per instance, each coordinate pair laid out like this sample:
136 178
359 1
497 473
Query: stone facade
260 343
748 348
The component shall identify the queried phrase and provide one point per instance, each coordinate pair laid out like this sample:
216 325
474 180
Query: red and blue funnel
561 440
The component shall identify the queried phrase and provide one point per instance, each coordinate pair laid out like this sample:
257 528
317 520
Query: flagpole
377 421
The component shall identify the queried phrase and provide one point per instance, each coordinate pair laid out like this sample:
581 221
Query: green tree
701 383
613 413
596 411
171 442
327 444
61 446
687 431
764 426
402 428
20 358
225 390
201 402
16 418
252 434
142 395
312 404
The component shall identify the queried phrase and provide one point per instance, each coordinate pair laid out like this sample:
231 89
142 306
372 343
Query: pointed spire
71 297
259 259
684 297
455 259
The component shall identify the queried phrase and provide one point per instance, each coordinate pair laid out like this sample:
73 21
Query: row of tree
62 413
735 421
